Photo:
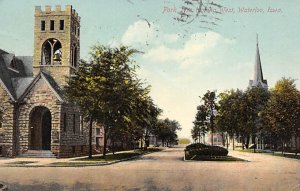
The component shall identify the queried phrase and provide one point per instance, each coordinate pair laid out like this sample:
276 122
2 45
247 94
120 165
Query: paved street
163 171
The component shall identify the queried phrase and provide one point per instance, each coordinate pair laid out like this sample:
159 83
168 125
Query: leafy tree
211 106
282 111
103 88
229 114
200 123
238 113
167 131
145 115
255 100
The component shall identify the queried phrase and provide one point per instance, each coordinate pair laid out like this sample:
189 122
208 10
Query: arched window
51 52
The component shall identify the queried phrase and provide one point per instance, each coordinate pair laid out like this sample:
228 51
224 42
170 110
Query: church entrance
40 129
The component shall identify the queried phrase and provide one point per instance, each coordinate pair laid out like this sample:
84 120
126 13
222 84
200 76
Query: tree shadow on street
47 186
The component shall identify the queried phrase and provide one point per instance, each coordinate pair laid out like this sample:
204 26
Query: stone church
36 116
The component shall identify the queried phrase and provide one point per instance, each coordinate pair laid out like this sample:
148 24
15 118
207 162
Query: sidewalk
266 155
33 161
66 162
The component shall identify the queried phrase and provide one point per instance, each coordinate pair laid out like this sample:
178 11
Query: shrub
199 149
195 146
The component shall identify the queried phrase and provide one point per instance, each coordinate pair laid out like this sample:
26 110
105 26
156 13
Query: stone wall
39 96
74 139
7 140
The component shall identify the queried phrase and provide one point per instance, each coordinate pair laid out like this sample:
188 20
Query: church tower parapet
56 41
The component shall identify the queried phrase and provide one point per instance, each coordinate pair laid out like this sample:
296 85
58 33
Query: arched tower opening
51 52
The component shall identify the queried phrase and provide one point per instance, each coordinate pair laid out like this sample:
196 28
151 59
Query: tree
239 111
103 89
255 100
282 111
145 116
229 114
200 123
210 104
167 131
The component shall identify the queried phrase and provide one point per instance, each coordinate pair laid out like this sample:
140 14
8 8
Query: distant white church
258 78
257 81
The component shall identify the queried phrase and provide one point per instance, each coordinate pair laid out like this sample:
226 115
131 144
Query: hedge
199 149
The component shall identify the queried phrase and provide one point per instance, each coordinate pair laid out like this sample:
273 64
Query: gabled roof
50 82
24 65
15 73
20 85
5 78
17 79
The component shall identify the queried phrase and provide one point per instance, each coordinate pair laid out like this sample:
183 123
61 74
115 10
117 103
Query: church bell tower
56 42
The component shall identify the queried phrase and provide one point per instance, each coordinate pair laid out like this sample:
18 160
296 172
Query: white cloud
190 53
140 33
170 37
161 45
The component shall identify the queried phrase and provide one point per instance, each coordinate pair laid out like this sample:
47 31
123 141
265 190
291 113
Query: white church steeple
258 79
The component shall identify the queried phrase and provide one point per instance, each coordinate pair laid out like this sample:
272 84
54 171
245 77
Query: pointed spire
258 74
258 79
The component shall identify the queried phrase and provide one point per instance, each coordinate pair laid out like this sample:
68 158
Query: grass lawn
21 162
110 157
120 155
73 164
252 151
287 155
276 153
100 160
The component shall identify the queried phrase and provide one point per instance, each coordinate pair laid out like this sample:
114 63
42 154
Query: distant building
258 78
258 81
216 139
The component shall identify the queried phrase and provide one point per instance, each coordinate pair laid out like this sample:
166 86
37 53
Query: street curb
241 160
83 165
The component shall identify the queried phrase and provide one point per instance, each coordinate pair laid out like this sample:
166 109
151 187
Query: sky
185 53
